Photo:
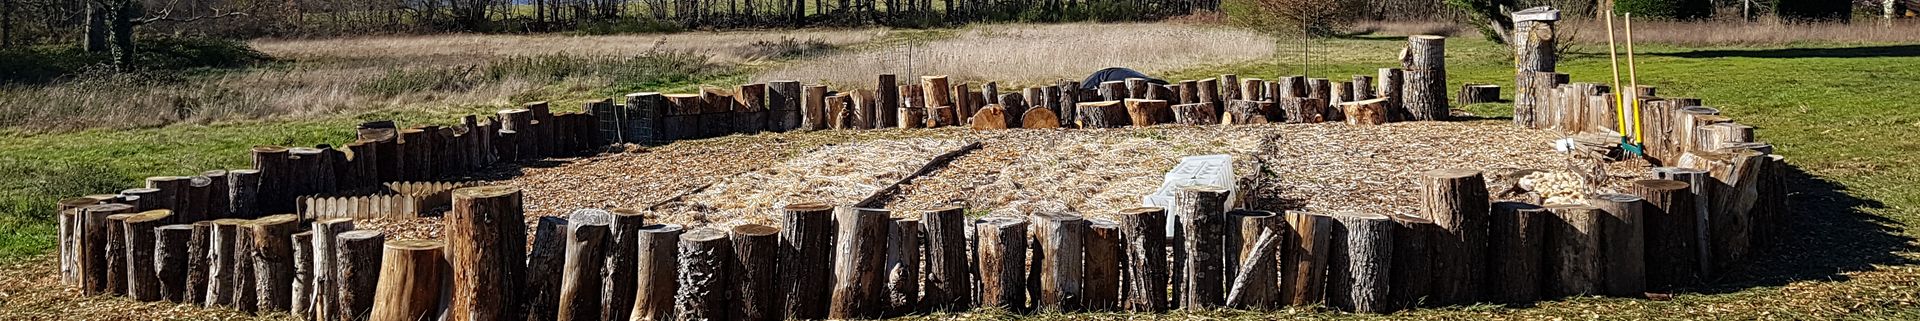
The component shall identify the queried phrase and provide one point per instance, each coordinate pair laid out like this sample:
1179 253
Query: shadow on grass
1854 52
1827 234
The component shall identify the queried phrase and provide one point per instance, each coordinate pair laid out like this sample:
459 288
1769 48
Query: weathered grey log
806 255
170 260
859 289
273 260
1360 263
1532 91
1063 238
412 275
326 276
302 296
1244 112
1144 232
1425 96
1456 200
1516 243
1195 114
116 248
1362 88
1342 92
618 273
1669 221
486 244
756 249
586 251
246 296
990 93
143 279
1202 211
1259 289
948 286
1409 285
658 269
359 256
1302 110
1574 250
1622 244
1069 99
545 265
1003 259
199 247
1305 267
705 291
1136 88
903 266
223 261
243 193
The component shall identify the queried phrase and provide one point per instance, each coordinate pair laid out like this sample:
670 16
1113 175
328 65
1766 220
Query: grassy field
1835 110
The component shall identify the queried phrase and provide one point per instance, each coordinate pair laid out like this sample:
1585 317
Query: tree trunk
948 286
1574 250
1202 211
618 273
1669 220
486 241
170 260
1623 246
587 242
1195 114
658 268
1063 238
859 288
783 98
1003 258
1361 263
412 277
1040 118
245 290
813 106
755 251
1426 77
1532 92
143 280
1305 265
1208 91
1244 112
806 254
223 259
1456 201
1230 88
359 257
1244 228
1479 93
705 292
1114 90
1516 241
273 260
1702 190
887 98
326 275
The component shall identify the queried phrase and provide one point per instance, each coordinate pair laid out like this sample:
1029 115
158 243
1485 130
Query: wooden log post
1533 90
806 255
859 289
1113 90
1669 221
1144 232
1103 114
1257 287
756 249
1146 112
1426 77
1479 94
1409 284
622 261
1208 91
199 262
143 278
751 101
1069 98
1303 110
1105 254
243 193
1701 190
326 261
784 97
302 296
1365 112
1016 107
223 260
1136 88
1243 112
948 284
1360 263
1202 210
545 261
1456 200
412 274
116 248
246 296
1574 250
1253 89
705 292
96 248
1342 92
1363 88
1063 238
716 113
273 260
1516 243
903 266
1256 279
1195 114
1304 267
1003 257
1322 89
936 91
69 251
1230 88
273 192
887 101
588 240
359 254
170 260
486 241
658 271
1622 244
813 106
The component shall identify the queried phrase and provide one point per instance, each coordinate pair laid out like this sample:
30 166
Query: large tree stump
69 243
96 248
1362 88
1136 88
1303 110
359 254
756 249
1105 256
948 286
223 260
1304 267
705 291
1574 250
1623 244
273 260
859 289
1202 211
618 273
1516 243
1669 221
587 244
411 279
199 262
1003 256
1251 89
1195 114
1426 77
1410 283
170 260
1360 264
1103 114
545 262
326 275
1063 238
1145 112
171 194
273 192
1144 232
1456 201
806 255
658 268
989 118
1365 112
903 266
1479 94
1533 90
486 241
143 279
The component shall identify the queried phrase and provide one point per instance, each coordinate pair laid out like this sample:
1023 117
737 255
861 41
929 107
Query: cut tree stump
486 241
1201 210
273 260
937 93
1256 279
95 248
1410 283
1195 114
1105 254
813 107
1244 112
618 273
359 254
199 262
1669 220
1425 96
222 262
658 270
1574 250
1361 262
1003 258
806 255
1062 237
1303 110
1456 200
1623 244
1244 228
1144 231
705 292
143 277
325 295
1113 90
1365 112
755 251
544 260
1516 243
859 289
1479 94
1304 267
412 274
991 117
948 286
170 260
1103 114
1040 118
588 240
1146 112
903 266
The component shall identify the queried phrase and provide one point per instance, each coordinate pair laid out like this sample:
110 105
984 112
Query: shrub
1668 9
785 48
1317 18
1813 10
43 64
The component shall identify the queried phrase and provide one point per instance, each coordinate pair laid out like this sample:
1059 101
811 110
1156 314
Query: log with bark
1063 238
705 291
617 274
1669 221
588 240
1208 91
1425 94
412 274
1103 114
1201 210
1303 110
143 278
948 286
486 241
1304 266
1479 94
544 264
1105 254
1516 243
325 295
1574 246
199 262
1410 284
1230 87
1040 118
658 270
1195 114
223 260
1258 290
783 97
813 107
170 260
806 255
1144 232
95 244
937 93
273 260
1360 263
991 117
1622 244
1457 201
1256 280
1244 112
756 249
360 256
1002 255
302 274
1113 90
859 289
903 267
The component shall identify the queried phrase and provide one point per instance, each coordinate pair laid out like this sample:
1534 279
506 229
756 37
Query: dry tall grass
729 46
1031 54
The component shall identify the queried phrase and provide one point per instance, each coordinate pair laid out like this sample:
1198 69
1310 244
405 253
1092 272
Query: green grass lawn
1837 112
